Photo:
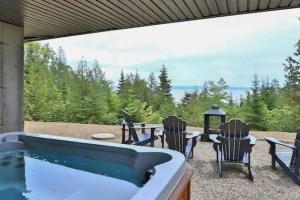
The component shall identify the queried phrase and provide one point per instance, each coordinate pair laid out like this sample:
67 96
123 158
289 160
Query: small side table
103 136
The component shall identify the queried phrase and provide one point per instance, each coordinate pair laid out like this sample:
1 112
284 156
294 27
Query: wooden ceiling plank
158 11
243 5
183 7
232 6
142 10
212 5
130 12
194 8
69 15
203 7
274 4
15 6
117 11
34 30
57 18
12 15
253 5
98 5
285 3
46 23
9 20
99 22
172 6
295 3
222 5
165 9
99 13
263 4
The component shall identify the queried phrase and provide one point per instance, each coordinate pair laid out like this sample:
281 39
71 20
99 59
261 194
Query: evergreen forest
55 91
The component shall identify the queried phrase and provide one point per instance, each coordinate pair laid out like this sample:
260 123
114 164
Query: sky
233 47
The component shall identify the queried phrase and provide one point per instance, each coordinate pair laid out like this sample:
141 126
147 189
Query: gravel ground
206 184
268 183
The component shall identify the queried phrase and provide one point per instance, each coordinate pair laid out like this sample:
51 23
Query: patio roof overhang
45 19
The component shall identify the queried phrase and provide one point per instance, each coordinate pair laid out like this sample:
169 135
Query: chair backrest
234 140
174 129
296 154
128 122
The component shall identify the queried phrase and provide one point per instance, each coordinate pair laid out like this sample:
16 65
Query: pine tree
230 100
241 101
152 83
256 113
232 108
186 98
292 86
269 93
205 90
165 83
97 73
140 88
61 56
121 83
217 92
292 70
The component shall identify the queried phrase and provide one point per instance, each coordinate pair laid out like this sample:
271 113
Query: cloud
135 48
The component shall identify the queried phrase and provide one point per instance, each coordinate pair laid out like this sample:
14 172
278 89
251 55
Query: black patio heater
213 118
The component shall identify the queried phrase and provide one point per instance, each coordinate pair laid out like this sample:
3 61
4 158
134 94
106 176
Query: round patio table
103 136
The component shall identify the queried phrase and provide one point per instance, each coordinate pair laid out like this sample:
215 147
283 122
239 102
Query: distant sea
178 91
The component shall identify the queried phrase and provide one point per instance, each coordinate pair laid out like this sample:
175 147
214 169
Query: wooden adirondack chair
234 145
176 136
288 158
134 138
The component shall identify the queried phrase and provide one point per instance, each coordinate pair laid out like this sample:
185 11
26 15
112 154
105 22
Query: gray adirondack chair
288 158
134 138
234 145
175 132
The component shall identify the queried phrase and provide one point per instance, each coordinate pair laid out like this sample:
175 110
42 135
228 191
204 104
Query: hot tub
37 166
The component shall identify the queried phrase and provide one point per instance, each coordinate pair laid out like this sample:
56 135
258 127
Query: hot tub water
32 174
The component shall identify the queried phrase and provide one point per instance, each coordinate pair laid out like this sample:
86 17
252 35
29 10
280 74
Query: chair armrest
272 140
192 134
139 123
214 138
252 140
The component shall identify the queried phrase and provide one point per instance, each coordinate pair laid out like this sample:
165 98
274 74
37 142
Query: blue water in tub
41 175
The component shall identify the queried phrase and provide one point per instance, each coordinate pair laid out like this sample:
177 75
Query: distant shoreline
179 90
193 87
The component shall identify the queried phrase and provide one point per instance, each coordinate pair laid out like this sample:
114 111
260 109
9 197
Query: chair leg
273 152
273 162
250 172
249 168
216 148
162 139
220 169
220 161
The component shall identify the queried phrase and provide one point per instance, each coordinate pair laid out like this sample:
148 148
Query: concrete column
11 77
